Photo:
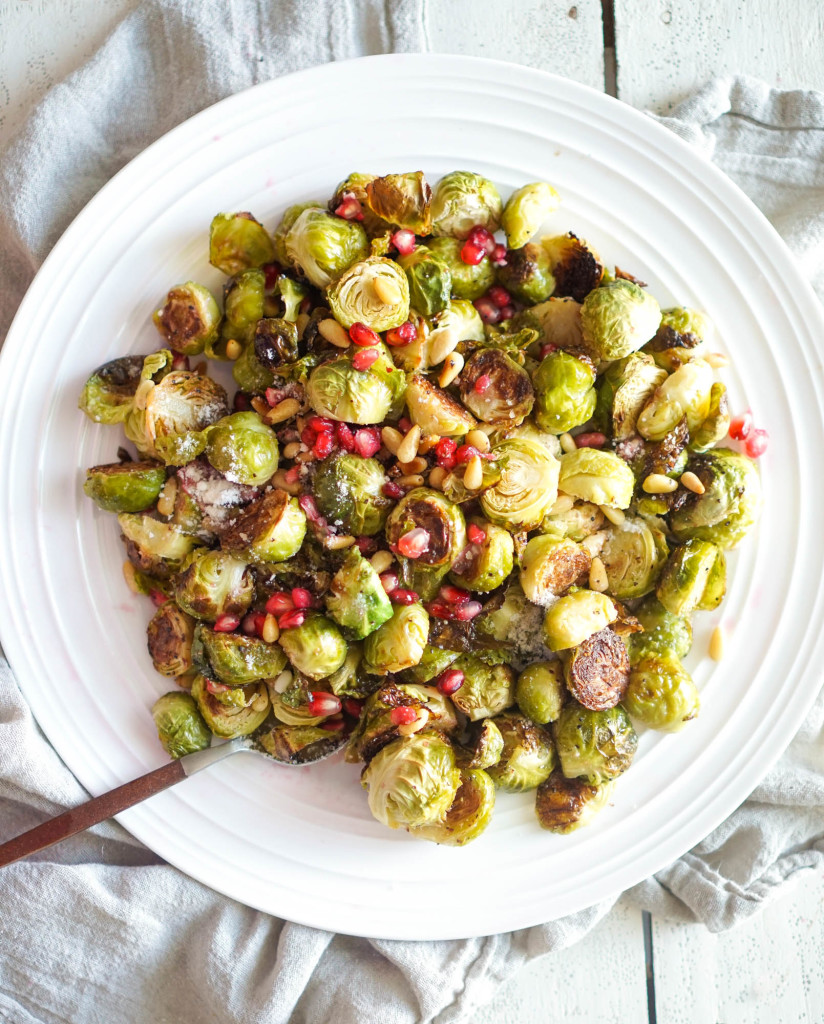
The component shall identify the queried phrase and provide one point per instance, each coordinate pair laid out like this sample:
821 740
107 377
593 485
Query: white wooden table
650 53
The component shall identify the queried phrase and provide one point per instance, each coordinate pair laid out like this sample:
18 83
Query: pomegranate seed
363 360
353 707
393 490
403 335
472 254
332 725
248 624
349 207
403 715
498 255
213 686
241 402
500 296
404 424
291 620
487 310
451 681
302 598
400 596
476 534
324 445
741 426
389 581
507 312
454 595
322 703
414 543
226 623
465 612
271 272
310 507
366 545
548 349
292 475
273 396
482 383
320 424
480 236
593 439
367 442
180 362
404 241
757 443
363 335
308 436
157 598
345 436
279 603
440 611
445 452
465 453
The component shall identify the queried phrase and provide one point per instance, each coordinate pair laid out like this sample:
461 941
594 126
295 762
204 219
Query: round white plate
302 844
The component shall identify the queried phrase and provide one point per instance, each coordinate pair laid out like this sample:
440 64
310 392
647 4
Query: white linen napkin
98 930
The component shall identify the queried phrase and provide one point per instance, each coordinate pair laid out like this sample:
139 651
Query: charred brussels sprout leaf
337 390
230 720
189 319
298 744
661 693
527 274
594 745
679 338
618 318
401 199
429 280
685 394
528 755
169 638
374 292
108 395
435 411
508 396
549 567
322 246
564 805
597 672
462 200
357 600
469 814
125 486
315 648
433 661
237 242
577 268
526 210
155 547
686 575
235 659
180 726
575 617
469 281
730 504
423 508
349 493
214 583
485 565
487 689
597 476
399 643
634 555
541 691
270 529
243 448
565 393
528 486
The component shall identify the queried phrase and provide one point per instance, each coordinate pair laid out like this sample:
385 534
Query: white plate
301 844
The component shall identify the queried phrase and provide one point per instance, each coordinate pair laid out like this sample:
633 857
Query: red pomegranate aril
499 295
345 436
273 396
363 359
332 725
279 603
403 335
320 424
445 452
353 707
291 620
180 362
465 453
404 241
507 312
302 598
592 439
487 310
292 475
322 703
482 383
481 237
476 534
401 596
248 624
454 595
393 490
548 349
366 545
389 581
756 443
414 543
241 402
465 612
438 610
323 445
271 273
472 254
404 424
367 442
158 598
451 681
308 436
741 426
349 207
363 335
310 507
306 304
226 623
403 715
498 255
213 686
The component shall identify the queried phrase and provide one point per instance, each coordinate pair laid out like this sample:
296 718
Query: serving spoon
78 819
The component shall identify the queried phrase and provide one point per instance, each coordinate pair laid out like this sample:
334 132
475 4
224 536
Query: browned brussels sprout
170 636
507 395
576 267
154 547
435 411
484 746
235 659
125 486
468 815
237 242
445 534
108 395
377 726
189 319
298 744
597 672
180 727
229 720
349 493
214 583
271 529
563 805
594 745
402 199
528 755
527 274
549 567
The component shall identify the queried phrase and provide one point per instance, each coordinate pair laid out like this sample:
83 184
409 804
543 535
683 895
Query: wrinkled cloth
98 930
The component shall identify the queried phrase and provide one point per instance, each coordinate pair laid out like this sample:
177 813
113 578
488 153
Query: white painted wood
667 48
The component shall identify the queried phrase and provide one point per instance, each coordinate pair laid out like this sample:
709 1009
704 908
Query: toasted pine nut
410 481
410 728
260 702
391 439
474 475
144 389
417 465
692 483
130 577
284 410
594 542
437 477
567 443
291 449
428 442
279 480
443 344
283 681
657 483
598 576
271 630
261 407
332 332
717 644
614 515
408 448
381 561
716 360
453 364
233 349
563 503
166 501
478 439
302 322
387 291
307 456
335 543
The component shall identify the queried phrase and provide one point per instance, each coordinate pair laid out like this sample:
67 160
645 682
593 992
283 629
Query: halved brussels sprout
357 600
594 745
661 693
549 567
717 423
664 633
541 691
559 321
486 690
315 648
460 321
429 280
433 661
576 523
169 639
125 486
323 246
508 395
180 726
686 575
634 554
108 395
351 680
577 616
526 210
271 529
680 337
461 201
528 756
376 726
469 280
273 343
684 394
527 274
483 747
618 318
729 505
349 492
189 318
288 219
423 508
235 659
340 392
484 565
528 486
298 744
435 411
577 267
237 242
564 392
243 448
597 476
374 292
563 805
155 547
625 388
213 584
469 814
412 781
230 720
401 199
399 643
597 673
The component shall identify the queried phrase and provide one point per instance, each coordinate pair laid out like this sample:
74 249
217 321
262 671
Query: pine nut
381 561
166 501
716 360
291 449
443 344
563 503
452 366
307 456
657 483
614 515
271 630
437 477
335 543
391 439
598 576
302 322
261 702
417 465
233 349
717 644
478 439
284 410
428 442
387 291
413 480
129 575
283 681
410 728
279 480
594 542
692 483
408 448
261 408
568 443
331 331
474 475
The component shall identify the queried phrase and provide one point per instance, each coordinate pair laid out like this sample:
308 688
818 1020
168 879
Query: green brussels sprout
577 616
213 584
237 242
461 201
483 566
549 567
562 805
322 246
469 281
559 321
340 392
679 338
594 745
235 659
154 547
717 423
349 493
484 746
528 755
429 280
427 509
231 720
661 693
565 395
527 274
685 393
189 319
597 671
243 448
374 292
434 660
376 726
540 691
315 648
597 476
618 318
634 555
357 600
716 586
401 199
486 689
435 411
412 781
243 305
180 726
686 575
125 486
108 395
509 395
274 342
291 293
576 523
270 529
624 390
292 705
729 505
298 744
526 210
351 680
399 643
664 633
285 226
469 814
169 639
576 267
528 486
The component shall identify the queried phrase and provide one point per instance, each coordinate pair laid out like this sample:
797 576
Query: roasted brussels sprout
271 529
237 242
339 391
661 693
597 476
354 187
564 392
230 720
108 395
559 321
401 199
243 306
625 389
374 292
154 547
729 505
429 280
563 805
686 575
528 755
576 523
527 274
717 423
679 338
377 725
235 659
469 814
189 319
664 633
214 583
433 661
484 746
684 394
634 555
349 492
484 564
597 672
540 691
399 643
274 342
323 246
180 726
594 745
125 486
528 486
618 318
461 201
357 600
525 211
508 395
243 448
469 280
460 321
549 567
577 268
486 690
315 648
288 219
169 637
435 411
298 744
443 521
577 616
